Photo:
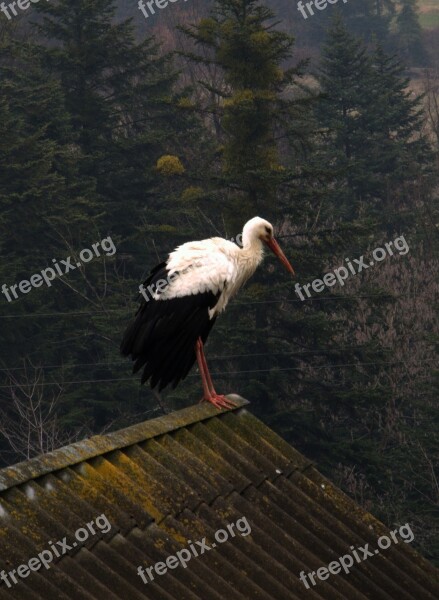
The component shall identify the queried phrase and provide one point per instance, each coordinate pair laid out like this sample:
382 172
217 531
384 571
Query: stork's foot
219 401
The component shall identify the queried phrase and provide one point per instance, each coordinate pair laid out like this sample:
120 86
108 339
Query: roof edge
97 445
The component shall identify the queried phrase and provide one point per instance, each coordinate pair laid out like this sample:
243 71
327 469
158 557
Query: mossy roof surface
174 480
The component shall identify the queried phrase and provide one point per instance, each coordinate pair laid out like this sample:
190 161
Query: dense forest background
182 126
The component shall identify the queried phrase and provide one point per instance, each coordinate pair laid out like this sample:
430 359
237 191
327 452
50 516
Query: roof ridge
97 445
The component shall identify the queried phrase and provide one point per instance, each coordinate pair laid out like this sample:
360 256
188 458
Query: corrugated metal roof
168 482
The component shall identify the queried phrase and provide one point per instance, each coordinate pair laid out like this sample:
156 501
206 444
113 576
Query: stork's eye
267 230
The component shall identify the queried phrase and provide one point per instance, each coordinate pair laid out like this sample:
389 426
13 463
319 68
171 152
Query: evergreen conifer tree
267 133
373 136
408 35
120 96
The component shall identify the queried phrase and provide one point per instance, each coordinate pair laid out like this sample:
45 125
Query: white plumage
183 297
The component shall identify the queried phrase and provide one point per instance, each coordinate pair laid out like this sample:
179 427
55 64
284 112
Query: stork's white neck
251 253
246 260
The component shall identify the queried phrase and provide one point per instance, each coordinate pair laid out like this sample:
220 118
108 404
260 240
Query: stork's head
259 229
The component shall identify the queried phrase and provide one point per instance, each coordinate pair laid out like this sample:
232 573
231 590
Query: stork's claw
220 401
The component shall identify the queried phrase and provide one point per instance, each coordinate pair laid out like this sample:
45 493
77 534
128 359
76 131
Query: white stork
182 298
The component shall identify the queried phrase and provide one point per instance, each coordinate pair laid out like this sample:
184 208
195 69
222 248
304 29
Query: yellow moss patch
191 193
169 165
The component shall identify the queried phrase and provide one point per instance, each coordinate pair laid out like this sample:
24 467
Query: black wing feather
163 334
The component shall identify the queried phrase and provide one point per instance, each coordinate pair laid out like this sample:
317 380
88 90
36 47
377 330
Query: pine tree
250 104
398 151
34 156
87 119
373 123
264 121
120 96
408 34
38 187
124 119
343 77
368 20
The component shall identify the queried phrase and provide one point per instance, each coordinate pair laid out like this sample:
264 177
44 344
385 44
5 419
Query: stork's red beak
276 249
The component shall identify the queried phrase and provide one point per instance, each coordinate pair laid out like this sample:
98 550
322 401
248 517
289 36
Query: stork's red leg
204 380
210 394
206 368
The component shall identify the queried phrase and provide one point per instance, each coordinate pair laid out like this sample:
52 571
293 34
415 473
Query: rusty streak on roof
180 478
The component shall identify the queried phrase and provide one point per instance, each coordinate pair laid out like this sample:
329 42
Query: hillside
309 32
429 14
